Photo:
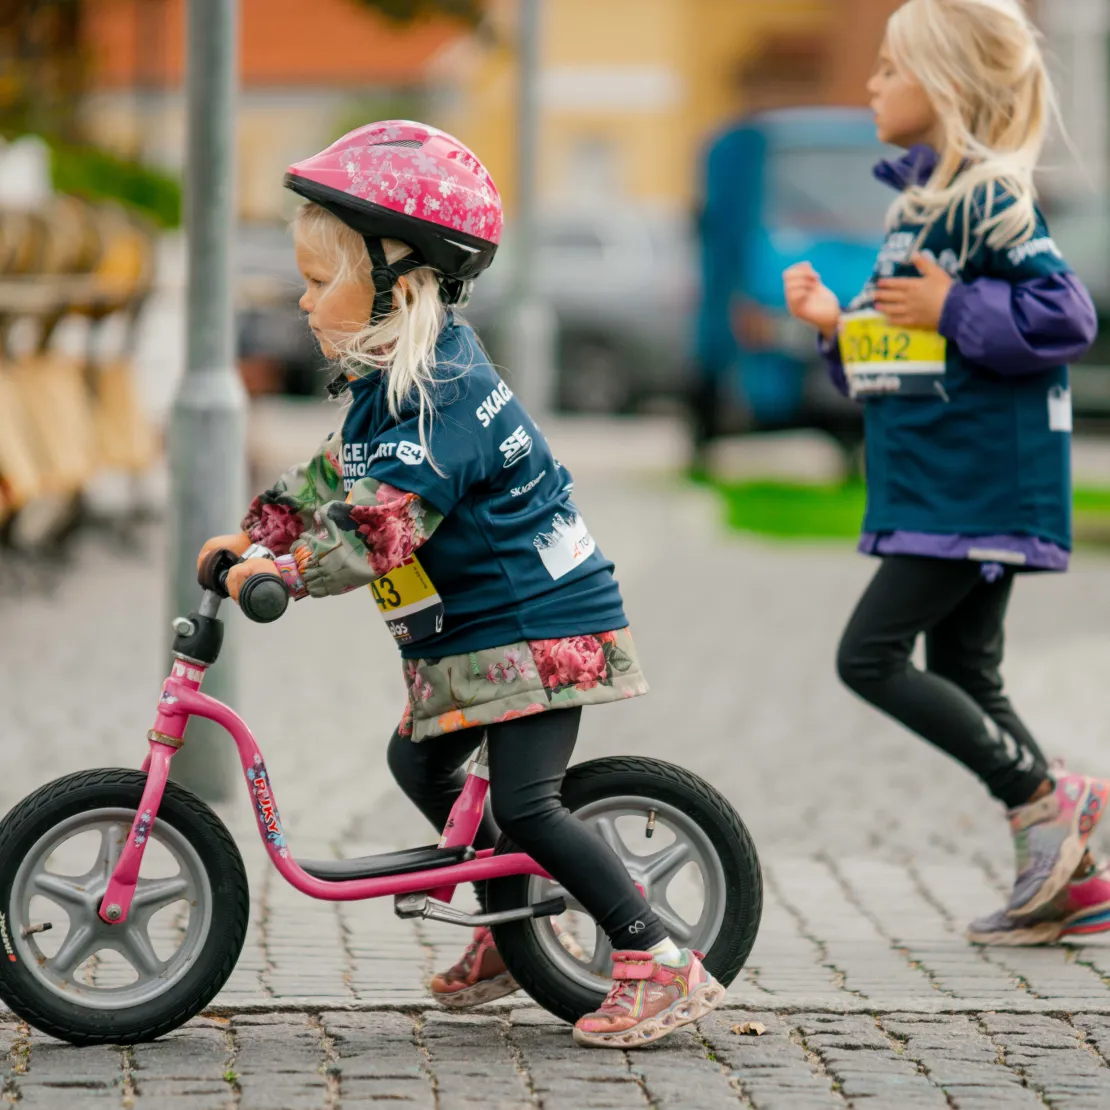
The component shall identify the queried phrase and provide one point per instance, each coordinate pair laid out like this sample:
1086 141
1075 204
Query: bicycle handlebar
262 598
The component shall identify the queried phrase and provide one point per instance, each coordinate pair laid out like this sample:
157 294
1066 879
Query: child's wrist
291 576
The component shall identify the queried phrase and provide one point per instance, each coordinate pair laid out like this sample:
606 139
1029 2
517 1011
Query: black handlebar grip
263 598
213 570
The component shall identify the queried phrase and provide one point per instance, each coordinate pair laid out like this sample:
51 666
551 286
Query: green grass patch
795 511
1096 501
791 511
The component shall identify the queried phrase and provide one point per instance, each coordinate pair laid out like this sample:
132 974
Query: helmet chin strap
385 276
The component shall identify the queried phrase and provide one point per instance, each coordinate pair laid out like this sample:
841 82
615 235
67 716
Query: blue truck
781 187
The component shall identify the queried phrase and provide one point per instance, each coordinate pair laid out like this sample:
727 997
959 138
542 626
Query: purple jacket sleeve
829 350
1020 328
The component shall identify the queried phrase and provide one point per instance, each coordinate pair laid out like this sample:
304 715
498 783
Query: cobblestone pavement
806 1060
876 849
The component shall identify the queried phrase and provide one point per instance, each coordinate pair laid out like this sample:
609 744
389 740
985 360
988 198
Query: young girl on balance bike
441 495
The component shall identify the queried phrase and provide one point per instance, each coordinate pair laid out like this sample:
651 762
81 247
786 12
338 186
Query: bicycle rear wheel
680 840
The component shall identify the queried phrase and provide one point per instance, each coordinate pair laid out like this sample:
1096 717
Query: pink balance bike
124 900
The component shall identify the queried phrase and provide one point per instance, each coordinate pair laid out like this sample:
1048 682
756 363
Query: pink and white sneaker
1050 837
479 976
1082 908
648 1000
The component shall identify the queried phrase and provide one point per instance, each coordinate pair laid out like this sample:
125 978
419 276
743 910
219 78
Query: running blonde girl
958 346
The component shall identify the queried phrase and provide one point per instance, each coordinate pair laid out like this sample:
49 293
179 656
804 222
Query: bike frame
181 699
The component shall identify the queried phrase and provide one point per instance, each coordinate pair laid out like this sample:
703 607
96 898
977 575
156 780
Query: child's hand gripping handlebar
262 597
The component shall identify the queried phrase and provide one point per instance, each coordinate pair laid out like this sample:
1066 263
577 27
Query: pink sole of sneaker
705 998
1086 929
1044 932
488 990
1088 813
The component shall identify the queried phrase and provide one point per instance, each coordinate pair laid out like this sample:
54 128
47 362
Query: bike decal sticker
141 829
190 674
6 939
264 806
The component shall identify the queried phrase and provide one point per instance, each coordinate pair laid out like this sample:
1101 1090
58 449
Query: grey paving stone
771 1070
918 849
286 1057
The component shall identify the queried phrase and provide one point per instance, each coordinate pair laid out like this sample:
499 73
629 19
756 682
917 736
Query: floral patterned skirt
533 676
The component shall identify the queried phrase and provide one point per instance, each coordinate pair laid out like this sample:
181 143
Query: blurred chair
63 417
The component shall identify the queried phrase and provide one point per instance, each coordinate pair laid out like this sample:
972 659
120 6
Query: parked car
1084 238
621 283
276 351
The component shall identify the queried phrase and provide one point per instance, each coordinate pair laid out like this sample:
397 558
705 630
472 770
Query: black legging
957 703
527 760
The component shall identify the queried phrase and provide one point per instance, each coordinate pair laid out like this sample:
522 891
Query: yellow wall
648 78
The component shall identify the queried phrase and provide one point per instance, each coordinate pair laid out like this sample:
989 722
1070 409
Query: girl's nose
305 303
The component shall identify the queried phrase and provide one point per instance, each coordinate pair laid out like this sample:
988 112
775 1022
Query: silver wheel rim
685 849
57 966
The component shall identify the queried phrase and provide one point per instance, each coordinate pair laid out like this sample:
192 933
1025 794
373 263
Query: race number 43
408 602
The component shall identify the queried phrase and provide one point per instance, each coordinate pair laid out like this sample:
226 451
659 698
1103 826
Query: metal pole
207 424
531 321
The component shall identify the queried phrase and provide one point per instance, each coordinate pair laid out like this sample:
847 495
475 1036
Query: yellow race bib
881 358
408 602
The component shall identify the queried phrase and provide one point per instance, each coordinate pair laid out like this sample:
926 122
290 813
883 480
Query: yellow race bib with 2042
882 358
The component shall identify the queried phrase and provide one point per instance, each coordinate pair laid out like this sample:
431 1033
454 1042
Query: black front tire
63 798
518 941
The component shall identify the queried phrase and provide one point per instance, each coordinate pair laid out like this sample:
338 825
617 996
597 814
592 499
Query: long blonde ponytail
981 65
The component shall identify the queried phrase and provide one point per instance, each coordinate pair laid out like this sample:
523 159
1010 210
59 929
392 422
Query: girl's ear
406 291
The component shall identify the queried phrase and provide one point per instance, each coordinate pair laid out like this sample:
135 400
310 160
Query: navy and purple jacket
979 468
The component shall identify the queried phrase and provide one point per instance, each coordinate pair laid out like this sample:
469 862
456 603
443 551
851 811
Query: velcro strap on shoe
633 965
1033 813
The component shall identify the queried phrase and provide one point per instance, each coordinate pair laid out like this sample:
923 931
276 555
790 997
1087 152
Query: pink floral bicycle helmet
403 180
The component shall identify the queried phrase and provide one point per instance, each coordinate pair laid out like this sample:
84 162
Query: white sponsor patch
493 404
1059 409
568 544
516 447
410 453
516 491
1031 249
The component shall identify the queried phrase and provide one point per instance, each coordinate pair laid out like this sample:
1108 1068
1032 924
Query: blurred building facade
308 72
629 88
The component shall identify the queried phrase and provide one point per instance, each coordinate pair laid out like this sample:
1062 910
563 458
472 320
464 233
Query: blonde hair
403 344
980 64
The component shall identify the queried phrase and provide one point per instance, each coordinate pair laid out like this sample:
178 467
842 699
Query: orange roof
282 42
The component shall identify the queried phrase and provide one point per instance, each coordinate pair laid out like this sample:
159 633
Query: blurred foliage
404 11
42 78
96 175
41 68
